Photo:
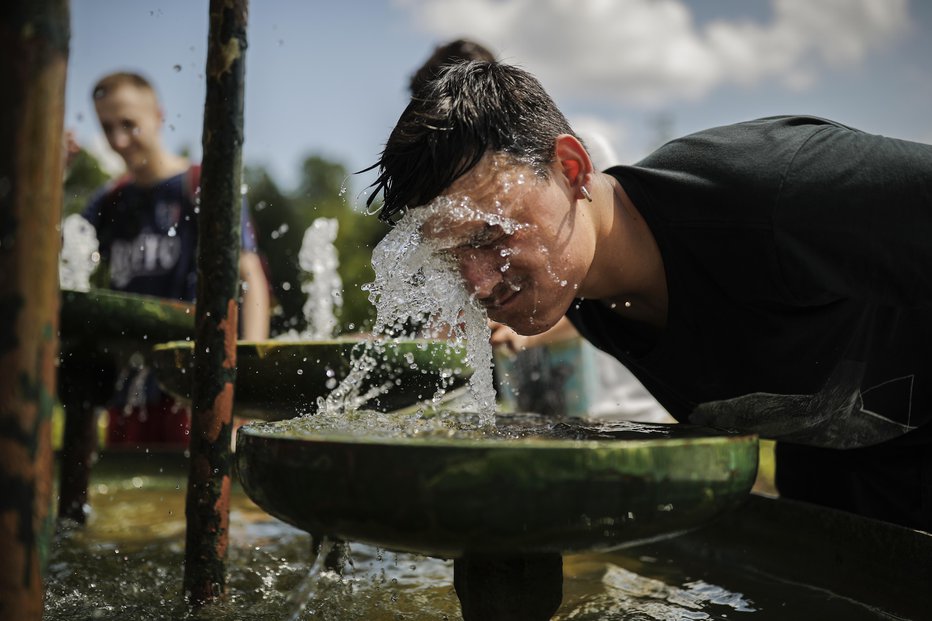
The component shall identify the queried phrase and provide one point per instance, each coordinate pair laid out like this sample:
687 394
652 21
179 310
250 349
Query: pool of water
127 563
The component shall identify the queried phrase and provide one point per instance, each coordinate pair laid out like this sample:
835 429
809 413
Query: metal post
208 498
33 62
85 378
79 447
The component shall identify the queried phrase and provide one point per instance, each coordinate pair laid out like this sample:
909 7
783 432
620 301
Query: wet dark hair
470 109
456 51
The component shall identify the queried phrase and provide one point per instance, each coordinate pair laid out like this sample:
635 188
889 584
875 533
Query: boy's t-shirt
148 235
797 259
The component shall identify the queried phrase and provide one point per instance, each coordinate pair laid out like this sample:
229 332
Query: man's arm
255 319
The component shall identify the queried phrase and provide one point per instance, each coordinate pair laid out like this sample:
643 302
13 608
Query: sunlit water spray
318 257
417 292
79 254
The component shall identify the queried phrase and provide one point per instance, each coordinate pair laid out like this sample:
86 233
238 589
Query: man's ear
573 161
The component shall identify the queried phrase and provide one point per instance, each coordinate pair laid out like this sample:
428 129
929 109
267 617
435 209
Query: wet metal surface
522 489
281 379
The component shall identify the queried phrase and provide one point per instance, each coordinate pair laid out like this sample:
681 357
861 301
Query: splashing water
79 254
417 288
318 257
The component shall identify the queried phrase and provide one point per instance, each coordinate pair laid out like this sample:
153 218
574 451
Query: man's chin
525 326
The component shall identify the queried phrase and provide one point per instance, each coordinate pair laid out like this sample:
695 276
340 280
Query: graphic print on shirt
841 415
151 253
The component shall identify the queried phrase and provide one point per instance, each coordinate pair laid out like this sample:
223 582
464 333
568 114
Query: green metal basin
103 330
110 315
281 379
569 486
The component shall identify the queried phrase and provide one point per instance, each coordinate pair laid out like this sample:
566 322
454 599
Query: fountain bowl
572 488
113 315
281 379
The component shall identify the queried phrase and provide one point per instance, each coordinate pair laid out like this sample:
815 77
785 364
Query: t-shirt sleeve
854 218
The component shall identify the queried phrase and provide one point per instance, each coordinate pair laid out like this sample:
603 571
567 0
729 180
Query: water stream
418 292
318 258
79 255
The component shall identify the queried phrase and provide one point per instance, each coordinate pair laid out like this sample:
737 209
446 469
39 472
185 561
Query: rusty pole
33 60
208 499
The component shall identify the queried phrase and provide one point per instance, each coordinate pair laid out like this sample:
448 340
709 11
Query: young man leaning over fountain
147 227
772 276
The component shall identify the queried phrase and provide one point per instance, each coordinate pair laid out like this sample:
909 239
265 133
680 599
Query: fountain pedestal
517 588
505 505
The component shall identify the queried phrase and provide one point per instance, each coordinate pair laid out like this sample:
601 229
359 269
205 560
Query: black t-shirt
149 235
798 256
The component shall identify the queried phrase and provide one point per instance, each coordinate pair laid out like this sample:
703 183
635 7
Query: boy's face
131 119
522 247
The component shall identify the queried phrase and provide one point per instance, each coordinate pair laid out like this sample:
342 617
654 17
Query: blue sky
330 77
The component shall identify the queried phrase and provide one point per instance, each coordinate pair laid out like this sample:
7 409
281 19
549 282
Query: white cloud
653 51
606 142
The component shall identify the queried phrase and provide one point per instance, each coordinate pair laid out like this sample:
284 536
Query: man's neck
162 166
630 274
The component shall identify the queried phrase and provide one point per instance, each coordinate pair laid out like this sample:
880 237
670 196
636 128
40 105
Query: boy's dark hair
112 81
472 108
457 51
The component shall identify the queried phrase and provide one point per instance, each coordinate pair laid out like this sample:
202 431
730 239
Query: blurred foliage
84 178
281 218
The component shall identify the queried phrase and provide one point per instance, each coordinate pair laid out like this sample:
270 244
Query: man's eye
486 237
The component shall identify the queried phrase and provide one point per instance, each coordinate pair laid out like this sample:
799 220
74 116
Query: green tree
84 178
322 193
278 233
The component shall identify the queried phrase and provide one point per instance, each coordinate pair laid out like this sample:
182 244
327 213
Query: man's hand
511 341
506 338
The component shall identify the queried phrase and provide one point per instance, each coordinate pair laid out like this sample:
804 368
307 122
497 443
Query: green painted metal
569 489
281 379
100 314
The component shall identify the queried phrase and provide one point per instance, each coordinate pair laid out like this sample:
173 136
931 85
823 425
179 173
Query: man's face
131 120
518 240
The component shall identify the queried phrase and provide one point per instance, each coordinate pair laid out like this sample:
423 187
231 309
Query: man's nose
480 276
119 139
